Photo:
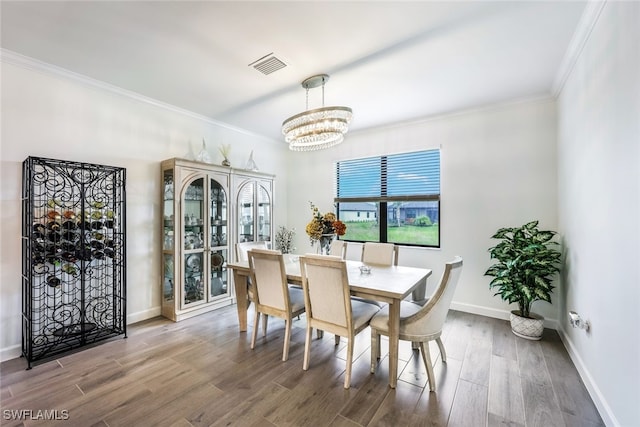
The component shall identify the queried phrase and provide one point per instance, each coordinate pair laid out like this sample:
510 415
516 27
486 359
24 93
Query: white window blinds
406 176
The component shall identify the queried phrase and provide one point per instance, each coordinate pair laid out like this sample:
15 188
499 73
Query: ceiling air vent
268 64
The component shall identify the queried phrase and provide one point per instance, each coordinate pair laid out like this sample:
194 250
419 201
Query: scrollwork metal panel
74 256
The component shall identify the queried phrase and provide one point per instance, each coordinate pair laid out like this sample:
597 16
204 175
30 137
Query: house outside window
399 193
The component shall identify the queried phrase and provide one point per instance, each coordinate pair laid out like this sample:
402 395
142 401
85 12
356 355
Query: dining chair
338 248
329 306
243 247
379 253
241 255
272 295
420 324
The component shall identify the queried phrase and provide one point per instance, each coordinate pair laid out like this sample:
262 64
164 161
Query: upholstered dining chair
272 295
241 255
338 248
420 324
329 306
379 253
243 247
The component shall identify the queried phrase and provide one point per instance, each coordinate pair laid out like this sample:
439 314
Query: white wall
45 114
599 210
498 168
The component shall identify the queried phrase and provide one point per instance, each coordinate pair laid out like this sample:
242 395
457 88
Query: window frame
382 200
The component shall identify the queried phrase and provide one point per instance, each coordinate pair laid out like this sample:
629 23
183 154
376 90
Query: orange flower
339 227
324 224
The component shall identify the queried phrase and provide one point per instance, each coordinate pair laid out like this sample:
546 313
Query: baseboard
607 415
495 313
9 353
143 315
15 351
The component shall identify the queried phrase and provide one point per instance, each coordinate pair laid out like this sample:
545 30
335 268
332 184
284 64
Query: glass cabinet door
254 212
264 214
193 243
218 235
246 213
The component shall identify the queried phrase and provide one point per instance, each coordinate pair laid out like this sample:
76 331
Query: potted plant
527 259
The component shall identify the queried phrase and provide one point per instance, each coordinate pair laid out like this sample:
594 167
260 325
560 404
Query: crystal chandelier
318 128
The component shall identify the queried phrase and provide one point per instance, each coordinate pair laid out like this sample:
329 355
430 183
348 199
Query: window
400 194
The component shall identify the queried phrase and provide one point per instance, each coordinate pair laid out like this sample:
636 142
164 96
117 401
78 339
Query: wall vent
268 64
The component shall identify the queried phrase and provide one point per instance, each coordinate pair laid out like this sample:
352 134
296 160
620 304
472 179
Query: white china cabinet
199 233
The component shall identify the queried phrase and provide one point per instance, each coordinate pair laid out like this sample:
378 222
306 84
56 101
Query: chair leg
254 333
264 325
337 339
319 333
426 358
307 348
347 374
443 353
287 339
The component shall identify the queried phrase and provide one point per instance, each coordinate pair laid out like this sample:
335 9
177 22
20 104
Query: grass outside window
367 231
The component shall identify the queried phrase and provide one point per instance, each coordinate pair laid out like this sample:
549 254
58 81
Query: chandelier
318 128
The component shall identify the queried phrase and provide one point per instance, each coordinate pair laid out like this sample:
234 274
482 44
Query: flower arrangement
284 240
323 224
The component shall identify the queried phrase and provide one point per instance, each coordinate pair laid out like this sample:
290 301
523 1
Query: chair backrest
379 253
325 284
269 278
338 248
243 247
430 318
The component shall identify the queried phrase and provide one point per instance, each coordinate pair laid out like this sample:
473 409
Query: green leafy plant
527 259
284 239
423 221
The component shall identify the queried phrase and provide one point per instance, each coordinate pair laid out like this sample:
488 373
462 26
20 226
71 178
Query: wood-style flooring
202 372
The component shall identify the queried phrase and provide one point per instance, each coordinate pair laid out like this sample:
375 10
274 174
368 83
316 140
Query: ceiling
389 61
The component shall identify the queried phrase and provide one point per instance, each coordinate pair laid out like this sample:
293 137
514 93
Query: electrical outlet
577 322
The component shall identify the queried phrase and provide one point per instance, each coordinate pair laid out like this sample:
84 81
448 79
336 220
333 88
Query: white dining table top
387 281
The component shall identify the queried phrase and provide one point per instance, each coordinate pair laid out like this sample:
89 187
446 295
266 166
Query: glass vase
324 243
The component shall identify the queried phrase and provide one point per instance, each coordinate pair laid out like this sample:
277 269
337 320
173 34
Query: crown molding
493 106
14 58
578 41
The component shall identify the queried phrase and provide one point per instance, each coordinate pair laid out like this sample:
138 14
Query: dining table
386 284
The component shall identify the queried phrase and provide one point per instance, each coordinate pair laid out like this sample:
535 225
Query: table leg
240 284
394 332
419 293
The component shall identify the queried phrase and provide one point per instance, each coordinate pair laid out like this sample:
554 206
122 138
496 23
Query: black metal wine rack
73 256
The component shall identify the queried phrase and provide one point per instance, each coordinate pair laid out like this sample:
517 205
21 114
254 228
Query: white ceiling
389 61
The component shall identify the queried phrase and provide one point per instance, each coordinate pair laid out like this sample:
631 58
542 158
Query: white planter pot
528 328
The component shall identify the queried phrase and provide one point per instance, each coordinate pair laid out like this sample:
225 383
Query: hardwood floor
201 372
